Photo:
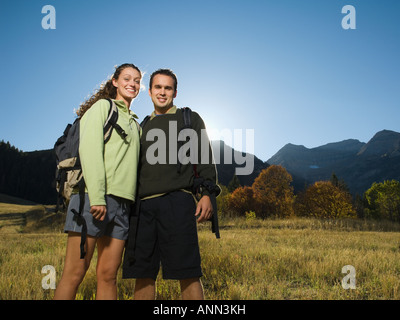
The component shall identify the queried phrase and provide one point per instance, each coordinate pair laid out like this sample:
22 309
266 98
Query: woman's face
127 84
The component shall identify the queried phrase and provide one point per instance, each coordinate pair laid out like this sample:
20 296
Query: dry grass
254 259
300 263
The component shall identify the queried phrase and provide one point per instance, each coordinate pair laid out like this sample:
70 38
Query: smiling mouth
131 90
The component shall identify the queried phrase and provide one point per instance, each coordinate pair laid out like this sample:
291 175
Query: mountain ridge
30 175
383 142
359 164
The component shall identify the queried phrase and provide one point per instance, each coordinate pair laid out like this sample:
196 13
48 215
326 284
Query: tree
273 193
359 206
234 183
324 200
223 200
241 200
383 200
339 183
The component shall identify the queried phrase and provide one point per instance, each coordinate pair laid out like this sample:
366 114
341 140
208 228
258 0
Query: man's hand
98 212
204 209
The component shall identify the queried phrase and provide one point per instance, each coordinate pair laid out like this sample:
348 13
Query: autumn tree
241 200
383 200
324 200
273 193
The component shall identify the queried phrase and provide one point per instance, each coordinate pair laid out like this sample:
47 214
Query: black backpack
69 175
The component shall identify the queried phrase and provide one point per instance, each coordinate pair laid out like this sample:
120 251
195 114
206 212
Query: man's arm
207 172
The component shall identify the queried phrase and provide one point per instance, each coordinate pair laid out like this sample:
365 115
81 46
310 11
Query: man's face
162 93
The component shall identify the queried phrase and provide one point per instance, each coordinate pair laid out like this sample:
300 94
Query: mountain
384 143
226 167
358 164
30 175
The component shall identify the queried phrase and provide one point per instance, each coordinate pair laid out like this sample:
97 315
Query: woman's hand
98 212
204 209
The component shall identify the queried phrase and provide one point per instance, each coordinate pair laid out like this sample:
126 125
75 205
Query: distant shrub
250 215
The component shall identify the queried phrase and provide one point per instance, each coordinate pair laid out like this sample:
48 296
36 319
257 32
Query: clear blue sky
286 68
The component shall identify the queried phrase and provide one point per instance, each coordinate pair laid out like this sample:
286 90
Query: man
166 230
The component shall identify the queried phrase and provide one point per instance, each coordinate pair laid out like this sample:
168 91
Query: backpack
199 183
69 176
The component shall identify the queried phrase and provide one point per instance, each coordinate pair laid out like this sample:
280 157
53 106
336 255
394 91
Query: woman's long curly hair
106 91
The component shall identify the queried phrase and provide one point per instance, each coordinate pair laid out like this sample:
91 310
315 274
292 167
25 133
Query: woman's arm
91 152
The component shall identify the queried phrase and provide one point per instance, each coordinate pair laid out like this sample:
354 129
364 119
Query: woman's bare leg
109 259
74 267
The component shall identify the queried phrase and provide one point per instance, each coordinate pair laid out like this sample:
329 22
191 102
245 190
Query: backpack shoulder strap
111 118
111 123
186 112
144 121
187 124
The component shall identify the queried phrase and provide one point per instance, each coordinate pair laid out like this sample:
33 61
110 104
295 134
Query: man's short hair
166 72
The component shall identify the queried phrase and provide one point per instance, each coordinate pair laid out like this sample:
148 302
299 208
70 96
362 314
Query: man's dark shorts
167 234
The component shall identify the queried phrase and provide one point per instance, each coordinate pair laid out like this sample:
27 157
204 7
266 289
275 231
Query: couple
163 226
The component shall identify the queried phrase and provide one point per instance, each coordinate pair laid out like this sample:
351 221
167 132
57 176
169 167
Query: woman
106 168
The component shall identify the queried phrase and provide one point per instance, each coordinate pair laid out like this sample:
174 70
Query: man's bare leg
192 289
145 289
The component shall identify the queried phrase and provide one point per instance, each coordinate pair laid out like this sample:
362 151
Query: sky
285 69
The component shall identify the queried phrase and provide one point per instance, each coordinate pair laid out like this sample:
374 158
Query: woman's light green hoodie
109 168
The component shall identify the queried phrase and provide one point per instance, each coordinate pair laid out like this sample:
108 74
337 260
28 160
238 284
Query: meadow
256 259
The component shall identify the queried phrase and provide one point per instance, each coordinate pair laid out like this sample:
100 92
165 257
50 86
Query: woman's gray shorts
114 225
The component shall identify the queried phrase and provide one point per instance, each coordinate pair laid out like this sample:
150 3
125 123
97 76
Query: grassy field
254 259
